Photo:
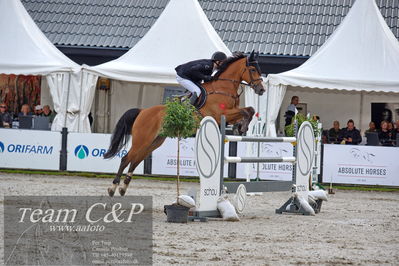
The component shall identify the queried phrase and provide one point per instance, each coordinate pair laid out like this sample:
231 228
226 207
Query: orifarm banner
86 151
30 149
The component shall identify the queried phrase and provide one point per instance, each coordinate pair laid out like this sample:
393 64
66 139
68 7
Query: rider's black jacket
196 71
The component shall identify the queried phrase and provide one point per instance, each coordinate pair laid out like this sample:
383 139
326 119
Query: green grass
364 188
91 175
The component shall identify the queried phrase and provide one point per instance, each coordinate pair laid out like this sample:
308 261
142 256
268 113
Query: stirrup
182 97
193 99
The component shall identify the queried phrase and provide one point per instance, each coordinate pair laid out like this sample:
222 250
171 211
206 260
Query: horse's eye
253 70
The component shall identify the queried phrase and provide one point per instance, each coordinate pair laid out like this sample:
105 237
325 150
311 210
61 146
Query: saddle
202 98
200 101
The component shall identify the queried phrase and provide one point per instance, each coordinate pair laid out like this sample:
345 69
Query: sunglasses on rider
2 106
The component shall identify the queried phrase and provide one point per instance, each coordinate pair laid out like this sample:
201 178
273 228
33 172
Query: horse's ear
251 56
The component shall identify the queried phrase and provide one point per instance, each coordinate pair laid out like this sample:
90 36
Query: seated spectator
350 134
390 126
395 131
25 110
48 113
335 134
38 110
371 127
324 137
5 116
385 135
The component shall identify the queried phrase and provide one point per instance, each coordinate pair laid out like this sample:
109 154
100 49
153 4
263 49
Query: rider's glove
207 78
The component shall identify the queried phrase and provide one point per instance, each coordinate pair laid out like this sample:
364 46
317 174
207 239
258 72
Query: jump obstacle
210 157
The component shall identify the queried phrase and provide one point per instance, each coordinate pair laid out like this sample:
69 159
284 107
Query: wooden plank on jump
259 139
289 159
259 186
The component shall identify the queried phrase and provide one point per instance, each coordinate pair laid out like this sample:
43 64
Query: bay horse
144 125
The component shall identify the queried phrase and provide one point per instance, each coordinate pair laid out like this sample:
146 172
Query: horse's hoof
111 192
236 130
122 191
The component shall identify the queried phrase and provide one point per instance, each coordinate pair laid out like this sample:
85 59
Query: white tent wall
126 95
72 95
45 95
329 105
332 105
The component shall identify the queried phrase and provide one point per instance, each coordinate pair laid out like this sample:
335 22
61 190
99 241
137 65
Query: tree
180 121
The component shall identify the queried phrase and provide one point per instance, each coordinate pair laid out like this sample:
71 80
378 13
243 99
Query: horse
144 125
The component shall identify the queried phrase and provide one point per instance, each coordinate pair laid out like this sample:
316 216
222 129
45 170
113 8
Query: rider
193 72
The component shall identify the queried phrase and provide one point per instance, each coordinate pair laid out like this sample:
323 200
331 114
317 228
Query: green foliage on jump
180 120
289 130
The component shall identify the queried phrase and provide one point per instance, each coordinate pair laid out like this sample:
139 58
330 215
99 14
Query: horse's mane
236 56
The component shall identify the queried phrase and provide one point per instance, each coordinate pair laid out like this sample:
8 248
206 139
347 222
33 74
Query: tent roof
24 49
181 33
362 54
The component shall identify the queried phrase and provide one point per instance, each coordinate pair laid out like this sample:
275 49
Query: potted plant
180 121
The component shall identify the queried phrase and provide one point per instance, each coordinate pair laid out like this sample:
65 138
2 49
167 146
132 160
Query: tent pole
267 107
80 99
361 109
67 99
64 133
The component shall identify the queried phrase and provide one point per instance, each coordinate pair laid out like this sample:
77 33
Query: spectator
350 134
385 135
371 127
25 110
291 110
6 117
335 134
395 131
38 110
390 126
48 113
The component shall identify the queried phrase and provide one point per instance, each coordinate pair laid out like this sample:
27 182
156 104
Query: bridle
253 82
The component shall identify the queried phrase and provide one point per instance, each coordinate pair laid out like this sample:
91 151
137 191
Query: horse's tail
121 133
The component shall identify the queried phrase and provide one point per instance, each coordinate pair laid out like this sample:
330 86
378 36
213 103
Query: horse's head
252 74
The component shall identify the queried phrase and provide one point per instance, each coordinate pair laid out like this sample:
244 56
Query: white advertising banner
30 149
368 165
267 171
164 159
86 150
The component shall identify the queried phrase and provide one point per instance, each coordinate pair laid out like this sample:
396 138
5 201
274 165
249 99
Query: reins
237 96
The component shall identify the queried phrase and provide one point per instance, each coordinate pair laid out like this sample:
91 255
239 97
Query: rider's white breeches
188 85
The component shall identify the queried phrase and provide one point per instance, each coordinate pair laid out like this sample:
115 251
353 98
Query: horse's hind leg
136 158
117 179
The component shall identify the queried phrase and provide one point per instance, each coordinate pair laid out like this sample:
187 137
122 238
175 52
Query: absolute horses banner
368 165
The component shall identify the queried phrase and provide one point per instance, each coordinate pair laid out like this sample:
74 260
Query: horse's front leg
240 118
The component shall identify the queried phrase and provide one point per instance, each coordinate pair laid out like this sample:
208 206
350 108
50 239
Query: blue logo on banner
81 151
1 146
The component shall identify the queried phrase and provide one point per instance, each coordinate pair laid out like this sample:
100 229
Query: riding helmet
219 56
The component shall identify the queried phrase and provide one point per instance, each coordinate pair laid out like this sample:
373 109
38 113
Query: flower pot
176 213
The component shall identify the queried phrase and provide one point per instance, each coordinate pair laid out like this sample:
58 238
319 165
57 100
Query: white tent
361 55
181 33
25 50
